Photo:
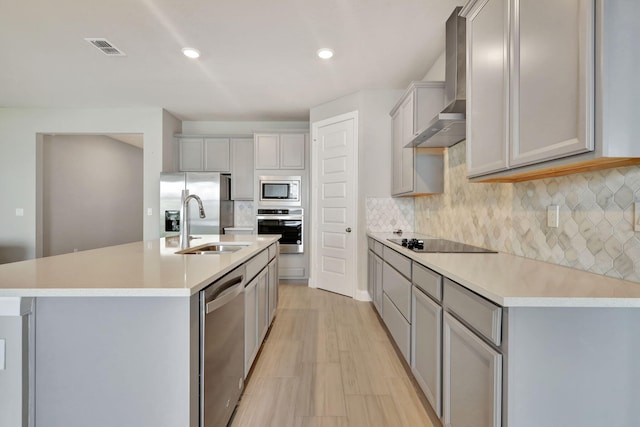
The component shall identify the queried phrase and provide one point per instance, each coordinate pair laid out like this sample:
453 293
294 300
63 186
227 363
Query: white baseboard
362 295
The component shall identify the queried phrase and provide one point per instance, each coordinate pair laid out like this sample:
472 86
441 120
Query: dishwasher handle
226 293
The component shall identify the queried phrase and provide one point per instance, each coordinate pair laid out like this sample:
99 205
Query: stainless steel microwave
280 190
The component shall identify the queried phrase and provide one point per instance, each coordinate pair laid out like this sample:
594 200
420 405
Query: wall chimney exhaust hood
448 127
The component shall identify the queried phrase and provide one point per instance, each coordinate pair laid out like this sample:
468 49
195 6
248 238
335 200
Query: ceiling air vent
106 47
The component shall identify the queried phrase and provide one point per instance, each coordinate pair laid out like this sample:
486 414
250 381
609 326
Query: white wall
19 130
437 70
92 193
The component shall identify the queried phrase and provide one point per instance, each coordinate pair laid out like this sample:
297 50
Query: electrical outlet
149 211
553 216
636 216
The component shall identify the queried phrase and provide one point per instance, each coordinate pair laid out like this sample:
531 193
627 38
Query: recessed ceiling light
190 52
325 53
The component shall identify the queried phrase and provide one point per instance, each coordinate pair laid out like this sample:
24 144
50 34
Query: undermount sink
214 249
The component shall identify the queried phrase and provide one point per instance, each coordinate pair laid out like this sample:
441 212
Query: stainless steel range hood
449 127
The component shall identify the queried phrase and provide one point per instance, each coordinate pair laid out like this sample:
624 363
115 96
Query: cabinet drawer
427 280
257 263
398 327
398 289
480 314
375 246
399 262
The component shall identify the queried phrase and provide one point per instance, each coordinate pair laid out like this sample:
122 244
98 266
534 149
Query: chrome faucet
185 227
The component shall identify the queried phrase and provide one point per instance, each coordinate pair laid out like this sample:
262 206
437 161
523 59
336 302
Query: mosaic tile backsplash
387 214
595 231
243 215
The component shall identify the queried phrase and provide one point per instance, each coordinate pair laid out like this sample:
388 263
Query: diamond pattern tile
596 209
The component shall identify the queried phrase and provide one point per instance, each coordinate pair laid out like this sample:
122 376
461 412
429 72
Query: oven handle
291 218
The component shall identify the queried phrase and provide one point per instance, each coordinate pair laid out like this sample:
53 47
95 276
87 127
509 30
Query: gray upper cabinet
280 150
204 154
416 171
217 155
292 148
552 79
242 169
191 154
548 82
487 94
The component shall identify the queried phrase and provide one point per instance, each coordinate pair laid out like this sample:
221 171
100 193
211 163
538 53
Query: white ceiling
258 56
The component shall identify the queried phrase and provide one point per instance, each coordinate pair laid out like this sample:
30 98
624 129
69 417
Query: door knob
348 230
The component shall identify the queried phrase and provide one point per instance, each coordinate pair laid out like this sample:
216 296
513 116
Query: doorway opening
90 191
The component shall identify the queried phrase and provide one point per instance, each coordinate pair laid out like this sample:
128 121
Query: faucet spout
185 228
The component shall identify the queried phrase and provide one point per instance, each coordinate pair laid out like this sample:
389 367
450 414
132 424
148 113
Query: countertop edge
133 290
533 301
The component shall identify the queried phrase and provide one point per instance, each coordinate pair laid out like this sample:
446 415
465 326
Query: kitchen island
114 332
499 340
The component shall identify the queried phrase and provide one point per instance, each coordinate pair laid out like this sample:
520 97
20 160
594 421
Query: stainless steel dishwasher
221 348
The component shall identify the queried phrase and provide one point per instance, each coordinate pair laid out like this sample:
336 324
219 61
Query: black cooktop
439 246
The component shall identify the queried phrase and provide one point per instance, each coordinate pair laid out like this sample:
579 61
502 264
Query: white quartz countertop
513 281
148 268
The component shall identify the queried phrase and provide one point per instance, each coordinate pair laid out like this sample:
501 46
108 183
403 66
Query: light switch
19 212
553 216
3 359
149 211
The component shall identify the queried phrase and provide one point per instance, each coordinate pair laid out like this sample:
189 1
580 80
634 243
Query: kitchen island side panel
573 367
118 361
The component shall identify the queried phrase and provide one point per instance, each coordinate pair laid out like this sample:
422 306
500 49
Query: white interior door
334 182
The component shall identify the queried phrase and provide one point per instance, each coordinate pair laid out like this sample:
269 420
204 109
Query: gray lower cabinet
396 304
255 317
426 347
263 304
472 378
250 324
374 280
472 359
273 288
378 290
398 327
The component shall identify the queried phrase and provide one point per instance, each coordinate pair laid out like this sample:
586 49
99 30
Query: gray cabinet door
396 155
426 347
250 324
267 151
407 154
263 304
242 169
377 300
472 378
292 151
371 271
191 154
273 288
217 155
487 88
552 79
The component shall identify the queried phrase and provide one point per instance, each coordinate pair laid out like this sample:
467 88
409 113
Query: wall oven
287 222
279 190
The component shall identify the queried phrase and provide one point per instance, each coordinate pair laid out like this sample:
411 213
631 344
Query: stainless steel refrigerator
212 187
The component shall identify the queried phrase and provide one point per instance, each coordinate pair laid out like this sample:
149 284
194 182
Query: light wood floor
327 361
